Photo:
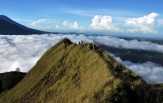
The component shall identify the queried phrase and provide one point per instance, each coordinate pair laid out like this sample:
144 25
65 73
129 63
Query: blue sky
127 17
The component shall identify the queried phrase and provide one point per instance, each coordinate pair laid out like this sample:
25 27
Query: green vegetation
71 73
10 79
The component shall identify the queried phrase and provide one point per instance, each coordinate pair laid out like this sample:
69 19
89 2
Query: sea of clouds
23 51
151 72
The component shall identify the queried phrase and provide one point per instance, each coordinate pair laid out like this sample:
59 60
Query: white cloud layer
24 51
73 25
129 44
36 23
151 72
144 24
103 23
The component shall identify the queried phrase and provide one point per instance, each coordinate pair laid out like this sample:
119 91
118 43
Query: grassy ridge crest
72 73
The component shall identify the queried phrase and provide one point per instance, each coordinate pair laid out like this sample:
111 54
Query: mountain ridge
84 73
9 26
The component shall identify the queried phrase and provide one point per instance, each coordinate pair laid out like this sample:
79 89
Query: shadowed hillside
10 79
72 73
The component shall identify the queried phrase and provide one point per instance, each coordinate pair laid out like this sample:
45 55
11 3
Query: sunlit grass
71 73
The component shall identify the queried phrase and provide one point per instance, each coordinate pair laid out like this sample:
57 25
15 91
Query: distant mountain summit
8 26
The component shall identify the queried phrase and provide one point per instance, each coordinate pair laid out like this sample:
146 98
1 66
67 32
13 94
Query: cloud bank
147 24
103 23
143 24
73 25
129 44
152 73
24 51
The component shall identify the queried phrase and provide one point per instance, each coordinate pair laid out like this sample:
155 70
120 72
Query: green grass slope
72 73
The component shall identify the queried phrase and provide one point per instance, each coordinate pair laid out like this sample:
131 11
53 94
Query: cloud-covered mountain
69 72
24 51
8 26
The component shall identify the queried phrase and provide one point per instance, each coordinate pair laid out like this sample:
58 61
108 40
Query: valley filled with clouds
23 51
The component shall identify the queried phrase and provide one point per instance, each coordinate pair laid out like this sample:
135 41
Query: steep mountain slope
8 26
71 73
